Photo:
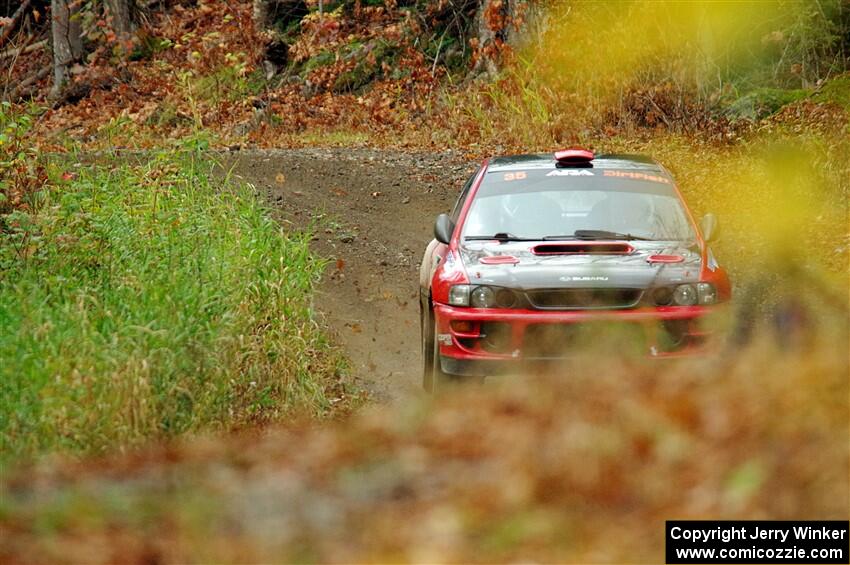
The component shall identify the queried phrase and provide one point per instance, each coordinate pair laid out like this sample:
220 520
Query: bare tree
122 14
262 14
67 42
496 23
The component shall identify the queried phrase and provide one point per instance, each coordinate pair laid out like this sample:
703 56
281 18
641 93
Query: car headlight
482 297
706 293
685 295
459 295
505 298
663 296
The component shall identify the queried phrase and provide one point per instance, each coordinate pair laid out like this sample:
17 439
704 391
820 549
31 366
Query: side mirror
709 227
444 227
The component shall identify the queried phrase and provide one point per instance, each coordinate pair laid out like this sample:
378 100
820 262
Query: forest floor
373 213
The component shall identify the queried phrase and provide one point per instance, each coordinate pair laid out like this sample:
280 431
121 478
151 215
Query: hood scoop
499 260
665 259
583 248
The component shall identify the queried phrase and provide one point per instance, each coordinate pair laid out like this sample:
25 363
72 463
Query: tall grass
144 301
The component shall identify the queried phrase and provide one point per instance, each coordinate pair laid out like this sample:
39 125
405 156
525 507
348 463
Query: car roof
605 161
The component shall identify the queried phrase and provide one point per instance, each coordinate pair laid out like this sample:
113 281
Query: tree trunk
262 15
67 42
122 14
495 23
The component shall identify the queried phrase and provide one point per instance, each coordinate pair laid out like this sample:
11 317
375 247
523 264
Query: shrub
21 171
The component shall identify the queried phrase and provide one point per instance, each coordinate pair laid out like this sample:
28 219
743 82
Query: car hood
517 265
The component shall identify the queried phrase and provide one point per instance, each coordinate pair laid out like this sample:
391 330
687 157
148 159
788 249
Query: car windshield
560 209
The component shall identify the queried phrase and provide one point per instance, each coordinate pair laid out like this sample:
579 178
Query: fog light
463 326
497 337
685 295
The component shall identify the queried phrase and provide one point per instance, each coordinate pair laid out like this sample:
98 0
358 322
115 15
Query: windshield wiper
501 237
596 234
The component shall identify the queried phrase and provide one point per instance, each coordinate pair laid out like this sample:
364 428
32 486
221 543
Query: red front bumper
469 334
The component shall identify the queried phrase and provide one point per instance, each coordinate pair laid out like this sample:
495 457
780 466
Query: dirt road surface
373 214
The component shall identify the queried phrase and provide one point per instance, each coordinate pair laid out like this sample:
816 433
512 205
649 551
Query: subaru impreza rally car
541 247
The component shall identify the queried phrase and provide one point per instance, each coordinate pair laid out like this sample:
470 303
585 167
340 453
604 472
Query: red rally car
540 247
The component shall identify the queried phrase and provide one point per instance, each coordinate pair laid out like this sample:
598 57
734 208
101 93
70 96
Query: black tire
439 380
427 327
434 380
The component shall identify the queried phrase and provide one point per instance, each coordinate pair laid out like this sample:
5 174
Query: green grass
227 84
836 91
145 301
334 138
763 102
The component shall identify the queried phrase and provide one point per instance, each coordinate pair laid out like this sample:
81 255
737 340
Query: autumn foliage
389 72
581 465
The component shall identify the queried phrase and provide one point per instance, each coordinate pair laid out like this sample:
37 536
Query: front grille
583 298
558 341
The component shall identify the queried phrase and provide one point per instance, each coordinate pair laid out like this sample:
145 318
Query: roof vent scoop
574 157
583 248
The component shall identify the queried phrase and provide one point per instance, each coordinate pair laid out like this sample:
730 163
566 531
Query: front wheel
439 379
427 327
433 378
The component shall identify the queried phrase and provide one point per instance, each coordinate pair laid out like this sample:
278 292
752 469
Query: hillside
210 234
384 73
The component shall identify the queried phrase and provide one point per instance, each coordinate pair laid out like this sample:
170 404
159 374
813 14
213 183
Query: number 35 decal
519 175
